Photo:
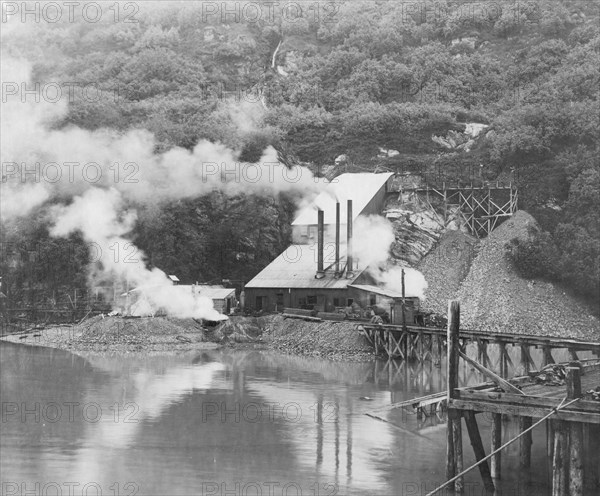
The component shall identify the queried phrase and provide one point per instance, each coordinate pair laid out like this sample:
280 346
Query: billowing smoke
89 174
371 244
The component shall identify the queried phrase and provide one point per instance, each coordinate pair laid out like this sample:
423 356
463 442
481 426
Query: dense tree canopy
378 75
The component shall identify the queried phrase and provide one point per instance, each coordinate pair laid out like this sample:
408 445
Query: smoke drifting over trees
183 87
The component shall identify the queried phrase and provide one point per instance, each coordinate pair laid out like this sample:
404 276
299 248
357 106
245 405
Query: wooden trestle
481 208
429 343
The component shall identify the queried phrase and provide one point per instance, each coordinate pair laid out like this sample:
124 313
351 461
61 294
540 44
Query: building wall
275 299
391 305
221 305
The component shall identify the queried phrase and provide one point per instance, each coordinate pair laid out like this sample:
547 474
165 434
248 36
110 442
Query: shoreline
164 335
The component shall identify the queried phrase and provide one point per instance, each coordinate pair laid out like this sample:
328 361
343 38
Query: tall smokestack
337 239
320 244
349 265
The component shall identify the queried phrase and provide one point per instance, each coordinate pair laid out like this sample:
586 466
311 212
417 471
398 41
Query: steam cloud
90 173
371 245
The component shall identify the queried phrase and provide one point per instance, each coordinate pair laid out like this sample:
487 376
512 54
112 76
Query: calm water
224 423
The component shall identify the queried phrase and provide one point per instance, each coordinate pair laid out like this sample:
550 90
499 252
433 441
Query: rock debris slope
445 267
495 298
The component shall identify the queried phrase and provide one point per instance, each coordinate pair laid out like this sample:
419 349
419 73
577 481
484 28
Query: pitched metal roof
360 188
383 292
212 292
296 268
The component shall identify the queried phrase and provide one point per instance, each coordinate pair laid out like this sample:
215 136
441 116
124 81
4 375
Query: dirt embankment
333 340
495 298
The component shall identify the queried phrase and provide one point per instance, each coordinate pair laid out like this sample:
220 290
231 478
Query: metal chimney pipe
337 239
320 243
349 265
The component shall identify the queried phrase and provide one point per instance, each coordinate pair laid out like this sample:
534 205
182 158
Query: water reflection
181 424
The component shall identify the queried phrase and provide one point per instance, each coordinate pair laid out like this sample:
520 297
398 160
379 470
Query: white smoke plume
90 173
373 237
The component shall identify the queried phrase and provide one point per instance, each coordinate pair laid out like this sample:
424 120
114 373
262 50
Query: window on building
311 300
336 302
349 301
372 300
279 301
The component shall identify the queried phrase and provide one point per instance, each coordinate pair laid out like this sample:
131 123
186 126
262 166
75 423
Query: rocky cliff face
418 225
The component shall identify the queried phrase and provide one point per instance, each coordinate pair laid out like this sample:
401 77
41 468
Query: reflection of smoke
89 173
371 245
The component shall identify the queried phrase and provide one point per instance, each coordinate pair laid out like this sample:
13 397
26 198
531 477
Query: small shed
223 298
367 295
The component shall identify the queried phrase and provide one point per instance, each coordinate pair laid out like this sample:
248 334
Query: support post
458 451
525 442
403 302
454 434
576 475
559 461
453 348
503 367
477 444
496 460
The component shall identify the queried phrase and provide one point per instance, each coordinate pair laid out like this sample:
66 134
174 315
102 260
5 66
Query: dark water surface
226 423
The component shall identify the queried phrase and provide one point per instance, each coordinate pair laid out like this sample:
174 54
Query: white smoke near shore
91 173
371 243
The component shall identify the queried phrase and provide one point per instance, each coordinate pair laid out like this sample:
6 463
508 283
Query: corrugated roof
360 188
384 292
296 268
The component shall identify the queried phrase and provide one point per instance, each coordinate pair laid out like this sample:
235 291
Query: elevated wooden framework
429 343
481 208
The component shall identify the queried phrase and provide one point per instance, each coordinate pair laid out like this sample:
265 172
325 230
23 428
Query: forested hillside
349 78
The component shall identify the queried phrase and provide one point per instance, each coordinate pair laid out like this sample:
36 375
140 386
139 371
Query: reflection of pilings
320 430
349 440
408 375
337 442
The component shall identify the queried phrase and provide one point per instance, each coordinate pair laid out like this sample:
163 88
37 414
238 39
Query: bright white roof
296 268
360 188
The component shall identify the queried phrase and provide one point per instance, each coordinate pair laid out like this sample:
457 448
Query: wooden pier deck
561 395
536 400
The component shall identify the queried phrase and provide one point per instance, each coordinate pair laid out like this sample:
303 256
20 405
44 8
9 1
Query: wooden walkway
430 343
536 398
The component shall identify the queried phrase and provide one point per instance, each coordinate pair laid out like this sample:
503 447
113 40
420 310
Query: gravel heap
118 334
333 340
495 298
445 267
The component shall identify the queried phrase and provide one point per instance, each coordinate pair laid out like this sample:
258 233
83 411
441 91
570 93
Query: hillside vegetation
364 76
